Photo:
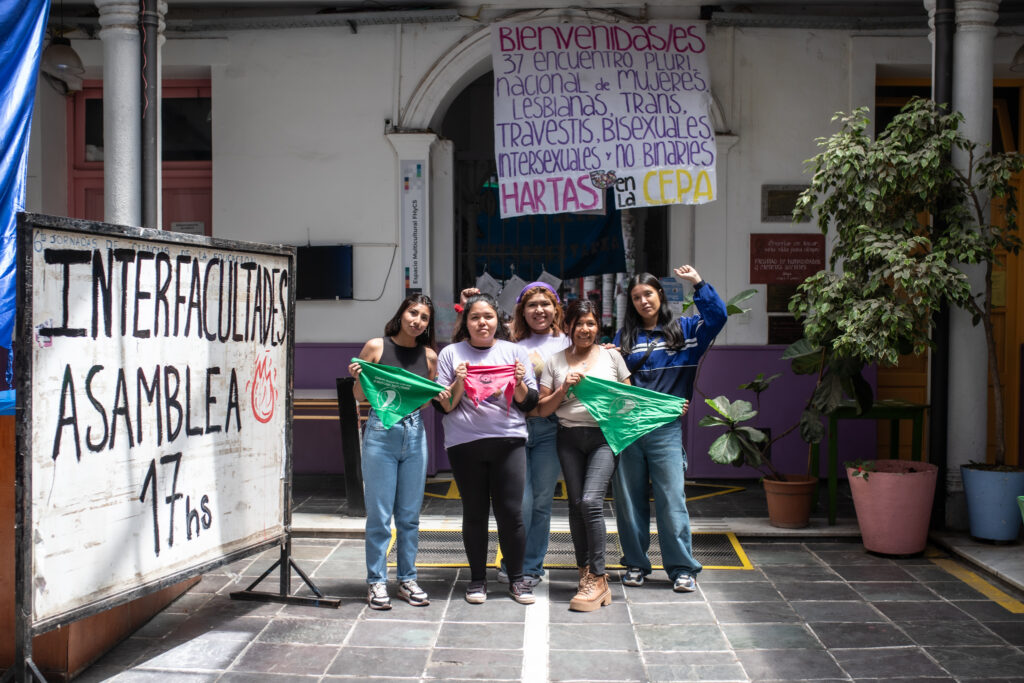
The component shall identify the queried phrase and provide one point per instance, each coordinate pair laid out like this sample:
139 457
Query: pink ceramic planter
894 505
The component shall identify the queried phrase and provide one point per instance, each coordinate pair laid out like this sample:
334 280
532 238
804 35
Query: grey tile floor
809 610
712 498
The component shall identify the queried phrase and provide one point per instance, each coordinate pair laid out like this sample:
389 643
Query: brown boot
584 570
593 594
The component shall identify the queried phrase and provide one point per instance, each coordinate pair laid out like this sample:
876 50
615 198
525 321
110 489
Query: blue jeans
657 457
542 470
394 474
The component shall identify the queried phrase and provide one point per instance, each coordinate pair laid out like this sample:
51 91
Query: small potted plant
789 496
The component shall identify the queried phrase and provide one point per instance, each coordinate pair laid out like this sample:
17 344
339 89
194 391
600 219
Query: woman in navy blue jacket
662 355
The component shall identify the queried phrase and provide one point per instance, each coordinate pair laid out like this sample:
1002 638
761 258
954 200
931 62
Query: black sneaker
411 592
377 597
521 592
476 592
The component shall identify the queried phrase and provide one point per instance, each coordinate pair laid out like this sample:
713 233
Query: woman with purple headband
537 327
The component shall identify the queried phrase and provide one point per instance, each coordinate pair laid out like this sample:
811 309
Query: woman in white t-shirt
537 327
586 458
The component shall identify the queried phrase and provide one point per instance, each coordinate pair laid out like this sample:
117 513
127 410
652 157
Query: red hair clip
458 308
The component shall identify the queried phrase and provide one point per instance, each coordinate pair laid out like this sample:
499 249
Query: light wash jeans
658 457
394 474
542 470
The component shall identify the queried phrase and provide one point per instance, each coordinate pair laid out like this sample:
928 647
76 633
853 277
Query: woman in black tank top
394 460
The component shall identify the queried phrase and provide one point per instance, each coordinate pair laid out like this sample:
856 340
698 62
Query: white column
161 10
967 431
122 125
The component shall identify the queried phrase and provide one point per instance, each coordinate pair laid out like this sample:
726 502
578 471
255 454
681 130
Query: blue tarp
7 402
22 27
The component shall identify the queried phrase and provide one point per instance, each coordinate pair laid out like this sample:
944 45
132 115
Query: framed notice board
154 375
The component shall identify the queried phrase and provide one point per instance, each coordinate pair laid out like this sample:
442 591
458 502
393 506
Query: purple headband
538 284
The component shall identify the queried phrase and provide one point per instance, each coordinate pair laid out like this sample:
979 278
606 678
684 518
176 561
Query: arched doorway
569 246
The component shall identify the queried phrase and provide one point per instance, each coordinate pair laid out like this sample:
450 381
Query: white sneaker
377 596
634 576
684 583
411 592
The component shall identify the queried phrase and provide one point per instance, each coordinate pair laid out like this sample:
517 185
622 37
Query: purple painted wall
317 443
724 369
317 447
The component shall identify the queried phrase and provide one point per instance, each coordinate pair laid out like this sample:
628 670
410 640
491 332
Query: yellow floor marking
451 494
744 560
741 556
981 585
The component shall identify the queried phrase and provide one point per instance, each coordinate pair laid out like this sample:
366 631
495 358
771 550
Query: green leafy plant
890 267
861 468
742 444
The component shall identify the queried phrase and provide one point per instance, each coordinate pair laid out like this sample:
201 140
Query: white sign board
579 108
159 407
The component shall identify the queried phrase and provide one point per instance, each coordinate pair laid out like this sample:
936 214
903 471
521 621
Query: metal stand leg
286 564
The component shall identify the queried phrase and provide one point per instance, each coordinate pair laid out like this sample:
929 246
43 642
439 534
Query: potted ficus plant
890 268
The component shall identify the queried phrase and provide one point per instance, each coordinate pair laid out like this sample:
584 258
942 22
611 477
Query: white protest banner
157 376
579 108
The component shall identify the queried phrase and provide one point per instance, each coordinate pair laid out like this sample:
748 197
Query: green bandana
394 392
623 412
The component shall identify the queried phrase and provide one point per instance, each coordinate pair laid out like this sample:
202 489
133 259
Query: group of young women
511 424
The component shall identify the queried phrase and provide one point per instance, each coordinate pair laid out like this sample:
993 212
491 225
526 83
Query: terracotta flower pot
894 505
789 501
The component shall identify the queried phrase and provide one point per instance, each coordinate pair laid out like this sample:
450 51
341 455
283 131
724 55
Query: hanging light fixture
59 59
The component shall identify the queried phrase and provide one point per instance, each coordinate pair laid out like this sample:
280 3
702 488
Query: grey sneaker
476 592
521 592
377 597
531 580
634 576
502 575
684 583
411 592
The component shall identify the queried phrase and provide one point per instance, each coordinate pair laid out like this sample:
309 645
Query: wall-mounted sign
414 223
785 258
580 108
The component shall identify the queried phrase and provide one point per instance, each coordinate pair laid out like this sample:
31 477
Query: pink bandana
483 381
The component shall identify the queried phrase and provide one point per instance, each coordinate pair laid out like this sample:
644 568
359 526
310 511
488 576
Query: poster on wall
579 108
414 222
155 374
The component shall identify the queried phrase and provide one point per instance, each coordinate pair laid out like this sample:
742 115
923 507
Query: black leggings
587 465
486 471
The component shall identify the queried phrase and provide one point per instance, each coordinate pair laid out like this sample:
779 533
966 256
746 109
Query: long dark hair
394 326
633 323
462 330
520 328
577 309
